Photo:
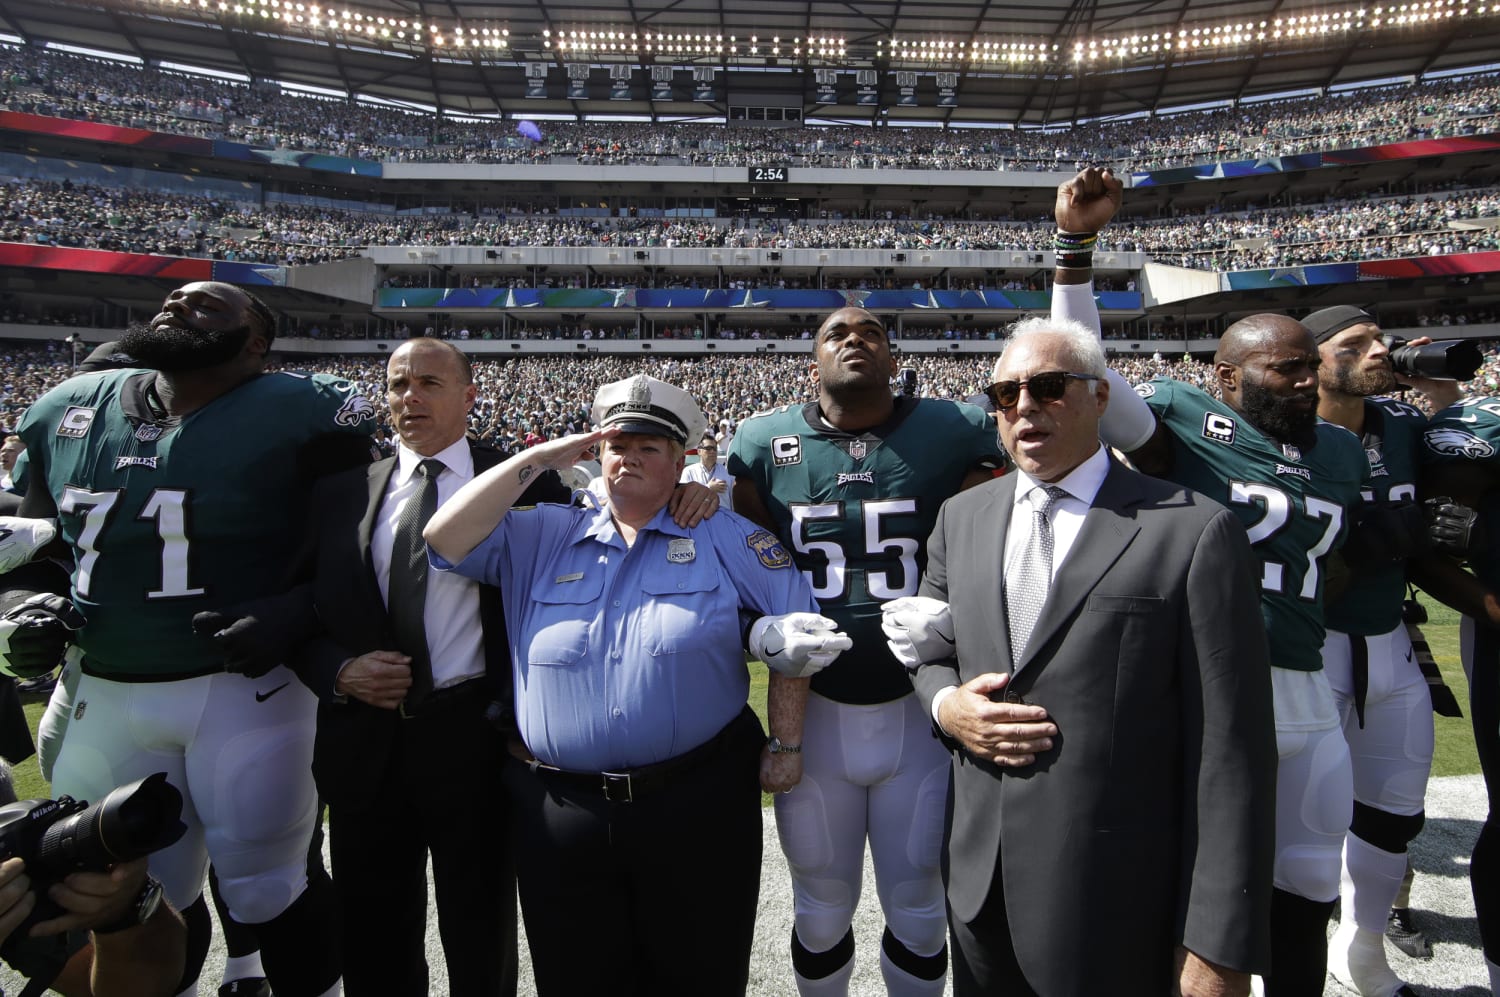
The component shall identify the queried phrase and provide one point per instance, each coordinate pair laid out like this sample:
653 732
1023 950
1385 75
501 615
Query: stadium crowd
71 86
532 398
136 220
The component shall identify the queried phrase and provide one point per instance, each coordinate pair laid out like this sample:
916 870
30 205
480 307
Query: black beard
168 348
1277 417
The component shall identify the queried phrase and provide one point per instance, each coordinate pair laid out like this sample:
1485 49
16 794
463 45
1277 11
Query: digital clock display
768 174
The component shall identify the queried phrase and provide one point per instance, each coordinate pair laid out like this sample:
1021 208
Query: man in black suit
1107 701
409 746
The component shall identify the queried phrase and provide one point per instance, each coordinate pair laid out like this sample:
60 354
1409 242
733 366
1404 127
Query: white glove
918 630
21 538
797 645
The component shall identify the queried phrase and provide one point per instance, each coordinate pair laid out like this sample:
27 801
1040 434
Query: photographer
116 937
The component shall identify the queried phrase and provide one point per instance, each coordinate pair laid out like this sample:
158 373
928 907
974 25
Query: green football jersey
1371 602
857 509
1469 432
1291 501
167 517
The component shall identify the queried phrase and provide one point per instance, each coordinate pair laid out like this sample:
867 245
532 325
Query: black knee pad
1387 831
923 967
300 947
1299 945
816 965
199 933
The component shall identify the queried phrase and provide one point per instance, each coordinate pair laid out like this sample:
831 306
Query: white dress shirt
455 637
702 475
1067 514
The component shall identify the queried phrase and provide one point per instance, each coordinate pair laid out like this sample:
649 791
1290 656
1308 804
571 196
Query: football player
1381 693
177 488
852 484
1292 480
1461 459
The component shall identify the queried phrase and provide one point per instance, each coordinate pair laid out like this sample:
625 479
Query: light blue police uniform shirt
625 656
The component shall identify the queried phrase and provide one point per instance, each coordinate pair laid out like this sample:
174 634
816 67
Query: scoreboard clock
768 174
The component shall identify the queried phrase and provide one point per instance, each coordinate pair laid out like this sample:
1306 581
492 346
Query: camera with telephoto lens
62 836
1445 359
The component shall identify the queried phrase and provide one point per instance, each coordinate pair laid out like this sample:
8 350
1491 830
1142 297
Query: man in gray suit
1107 703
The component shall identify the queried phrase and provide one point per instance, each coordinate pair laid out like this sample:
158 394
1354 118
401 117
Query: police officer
640 801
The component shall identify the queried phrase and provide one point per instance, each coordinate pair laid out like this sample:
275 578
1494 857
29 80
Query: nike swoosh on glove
34 634
797 645
918 630
21 538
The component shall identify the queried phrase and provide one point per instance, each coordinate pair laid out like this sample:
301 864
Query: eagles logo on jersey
355 410
1451 442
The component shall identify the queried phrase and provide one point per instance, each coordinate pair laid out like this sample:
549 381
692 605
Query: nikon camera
62 836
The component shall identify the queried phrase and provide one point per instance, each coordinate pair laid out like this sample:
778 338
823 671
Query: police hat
642 404
1325 323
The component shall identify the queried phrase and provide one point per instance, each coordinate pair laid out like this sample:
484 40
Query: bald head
1256 333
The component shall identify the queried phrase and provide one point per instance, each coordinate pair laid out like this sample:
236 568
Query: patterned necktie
407 585
1030 575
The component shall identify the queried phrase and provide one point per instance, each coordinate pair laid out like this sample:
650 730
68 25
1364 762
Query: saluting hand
1008 734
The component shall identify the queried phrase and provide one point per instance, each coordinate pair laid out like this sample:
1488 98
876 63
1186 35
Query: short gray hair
1082 346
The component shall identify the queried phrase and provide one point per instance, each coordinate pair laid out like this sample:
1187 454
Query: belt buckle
617 787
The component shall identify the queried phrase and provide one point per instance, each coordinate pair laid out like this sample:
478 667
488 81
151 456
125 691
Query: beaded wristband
1075 250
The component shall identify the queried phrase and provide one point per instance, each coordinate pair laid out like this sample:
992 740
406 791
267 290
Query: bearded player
176 489
1382 695
852 484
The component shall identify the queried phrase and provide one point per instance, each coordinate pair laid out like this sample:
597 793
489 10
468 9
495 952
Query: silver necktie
1029 576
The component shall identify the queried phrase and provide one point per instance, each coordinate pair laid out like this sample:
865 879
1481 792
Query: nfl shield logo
148 433
857 449
1292 453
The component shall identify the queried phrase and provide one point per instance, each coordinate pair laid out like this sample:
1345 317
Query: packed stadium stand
533 188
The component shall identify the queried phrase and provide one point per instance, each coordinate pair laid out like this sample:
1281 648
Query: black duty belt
635 784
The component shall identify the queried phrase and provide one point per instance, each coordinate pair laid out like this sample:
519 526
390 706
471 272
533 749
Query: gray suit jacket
1150 821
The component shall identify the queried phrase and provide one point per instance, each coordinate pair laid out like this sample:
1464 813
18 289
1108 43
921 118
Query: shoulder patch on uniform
769 549
1448 441
355 410
75 422
786 450
1221 428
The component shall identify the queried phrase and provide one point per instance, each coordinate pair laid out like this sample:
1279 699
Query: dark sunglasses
1047 387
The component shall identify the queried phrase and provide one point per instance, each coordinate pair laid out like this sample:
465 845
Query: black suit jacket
354 739
1150 821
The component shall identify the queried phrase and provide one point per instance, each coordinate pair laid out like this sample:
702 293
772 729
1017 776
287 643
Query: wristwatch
779 747
139 912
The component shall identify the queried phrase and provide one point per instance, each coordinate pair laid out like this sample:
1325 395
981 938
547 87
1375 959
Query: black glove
243 641
1454 528
1386 533
34 634
257 635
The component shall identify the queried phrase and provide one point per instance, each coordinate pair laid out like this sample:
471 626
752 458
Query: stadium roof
1019 64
